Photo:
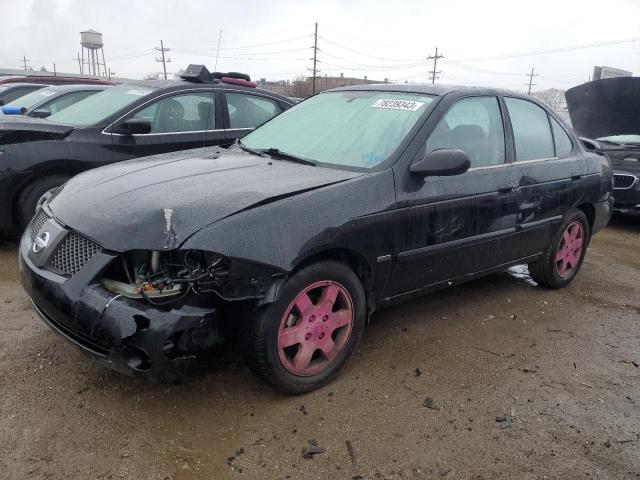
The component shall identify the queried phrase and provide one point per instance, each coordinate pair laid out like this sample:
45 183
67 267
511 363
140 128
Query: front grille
72 254
37 222
621 181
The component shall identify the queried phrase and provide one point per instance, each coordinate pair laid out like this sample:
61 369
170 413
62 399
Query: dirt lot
560 363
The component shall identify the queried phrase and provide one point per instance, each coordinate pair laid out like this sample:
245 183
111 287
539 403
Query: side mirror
441 163
1 103
40 113
135 126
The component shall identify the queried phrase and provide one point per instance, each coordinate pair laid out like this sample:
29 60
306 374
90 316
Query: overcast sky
273 38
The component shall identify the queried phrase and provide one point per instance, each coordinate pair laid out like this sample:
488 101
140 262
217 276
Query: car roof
77 86
178 84
22 84
428 89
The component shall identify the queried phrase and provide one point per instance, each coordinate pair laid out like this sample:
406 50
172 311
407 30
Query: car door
458 225
550 170
243 111
179 121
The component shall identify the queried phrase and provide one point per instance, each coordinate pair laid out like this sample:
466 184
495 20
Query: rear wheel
563 258
29 197
302 340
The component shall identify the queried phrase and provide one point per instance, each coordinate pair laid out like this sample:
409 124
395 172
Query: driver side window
189 112
473 125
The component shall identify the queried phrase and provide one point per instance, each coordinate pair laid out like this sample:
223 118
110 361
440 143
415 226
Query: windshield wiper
248 149
274 152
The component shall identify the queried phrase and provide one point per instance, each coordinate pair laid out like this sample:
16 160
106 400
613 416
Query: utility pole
79 60
24 61
434 73
215 68
531 84
55 73
163 60
315 59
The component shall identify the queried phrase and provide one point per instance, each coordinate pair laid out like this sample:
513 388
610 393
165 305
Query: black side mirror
441 163
40 113
1 103
135 126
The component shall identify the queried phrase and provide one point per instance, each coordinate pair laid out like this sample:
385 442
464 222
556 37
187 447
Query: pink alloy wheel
570 249
315 328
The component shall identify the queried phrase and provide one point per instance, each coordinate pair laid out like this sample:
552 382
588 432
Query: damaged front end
141 312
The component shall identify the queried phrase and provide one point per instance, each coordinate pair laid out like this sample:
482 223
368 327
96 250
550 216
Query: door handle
506 189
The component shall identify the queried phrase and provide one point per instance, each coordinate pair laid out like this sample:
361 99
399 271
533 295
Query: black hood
27 129
605 107
158 202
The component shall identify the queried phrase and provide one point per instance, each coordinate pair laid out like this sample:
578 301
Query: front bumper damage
127 335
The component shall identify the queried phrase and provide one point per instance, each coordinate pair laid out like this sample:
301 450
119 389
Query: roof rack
200 74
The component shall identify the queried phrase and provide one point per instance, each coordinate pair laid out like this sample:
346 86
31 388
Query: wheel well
70 172
354 261
590 212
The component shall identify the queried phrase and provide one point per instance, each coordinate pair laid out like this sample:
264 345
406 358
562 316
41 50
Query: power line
531 84
162 59
370 56
434 74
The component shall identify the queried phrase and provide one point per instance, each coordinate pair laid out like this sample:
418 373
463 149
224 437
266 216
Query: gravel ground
419 399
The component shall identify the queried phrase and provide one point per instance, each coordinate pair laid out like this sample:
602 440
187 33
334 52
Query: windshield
621 138
358 129
100 106
30 99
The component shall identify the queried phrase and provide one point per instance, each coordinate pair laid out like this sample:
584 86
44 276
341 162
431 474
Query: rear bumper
127 335
603 212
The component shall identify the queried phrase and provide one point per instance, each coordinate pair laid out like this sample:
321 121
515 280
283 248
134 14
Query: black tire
544 271
30 195
262 350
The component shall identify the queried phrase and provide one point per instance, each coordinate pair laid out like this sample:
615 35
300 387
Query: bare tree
153 76
301 87
553 98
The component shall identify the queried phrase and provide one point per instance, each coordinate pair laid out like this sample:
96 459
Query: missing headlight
161 278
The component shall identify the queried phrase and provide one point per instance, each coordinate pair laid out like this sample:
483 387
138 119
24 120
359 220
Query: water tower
92 46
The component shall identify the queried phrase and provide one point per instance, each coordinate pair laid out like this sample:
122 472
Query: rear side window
249 111
474 125
563 142
65 101
531 130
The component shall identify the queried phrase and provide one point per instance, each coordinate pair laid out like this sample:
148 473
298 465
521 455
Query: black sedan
46 101
122 122
607 111
350 201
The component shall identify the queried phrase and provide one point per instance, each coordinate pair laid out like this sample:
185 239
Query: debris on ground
504 421
312 449
417 372
352 452
302 409
430 403
529 370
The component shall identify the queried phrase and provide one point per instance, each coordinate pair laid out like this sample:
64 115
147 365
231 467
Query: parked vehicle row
289 240
120 123
43 102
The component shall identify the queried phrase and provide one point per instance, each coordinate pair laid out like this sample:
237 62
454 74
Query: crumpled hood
605 107
158 202
19 129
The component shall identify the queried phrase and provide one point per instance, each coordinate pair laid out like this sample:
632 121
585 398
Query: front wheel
564 255
30 196
302 340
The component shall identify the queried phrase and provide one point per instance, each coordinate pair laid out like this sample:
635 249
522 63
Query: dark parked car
349 201
10 92
122 122
607 111
45 101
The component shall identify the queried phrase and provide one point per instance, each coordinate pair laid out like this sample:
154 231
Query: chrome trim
635 180
508 164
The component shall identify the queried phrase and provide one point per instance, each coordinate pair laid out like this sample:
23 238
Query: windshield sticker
140 93
46 93
408 105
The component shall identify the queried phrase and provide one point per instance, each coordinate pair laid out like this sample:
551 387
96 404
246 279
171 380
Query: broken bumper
127 335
